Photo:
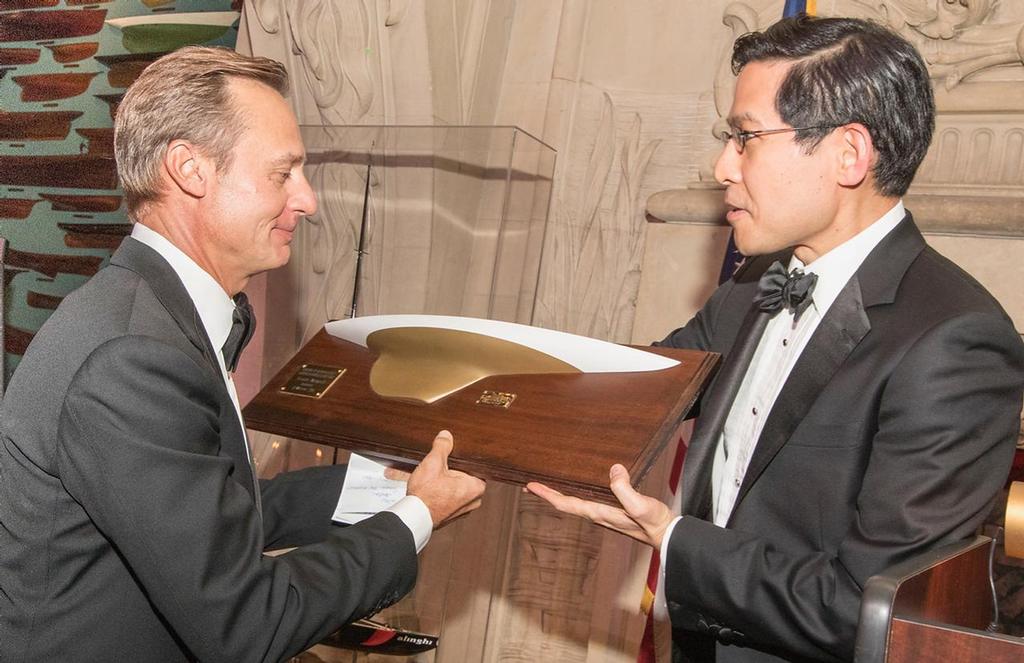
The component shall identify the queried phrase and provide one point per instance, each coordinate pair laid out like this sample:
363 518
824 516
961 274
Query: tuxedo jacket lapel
165 284
696 480
167 287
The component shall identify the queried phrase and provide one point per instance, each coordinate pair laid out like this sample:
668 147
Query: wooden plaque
563 430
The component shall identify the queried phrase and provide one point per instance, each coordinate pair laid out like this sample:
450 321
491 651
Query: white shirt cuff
660 602
414 513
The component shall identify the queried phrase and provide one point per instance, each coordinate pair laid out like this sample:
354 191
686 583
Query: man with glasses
867 406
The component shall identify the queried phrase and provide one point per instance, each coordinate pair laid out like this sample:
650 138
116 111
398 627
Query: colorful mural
64 65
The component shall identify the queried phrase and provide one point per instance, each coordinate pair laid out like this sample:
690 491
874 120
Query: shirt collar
212 303
835 268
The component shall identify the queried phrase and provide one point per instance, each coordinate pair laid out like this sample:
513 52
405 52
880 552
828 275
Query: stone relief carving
988 155
267 13
333 38
596 249
396 10
938 19
957 38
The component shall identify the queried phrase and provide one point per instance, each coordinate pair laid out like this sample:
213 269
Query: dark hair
850 70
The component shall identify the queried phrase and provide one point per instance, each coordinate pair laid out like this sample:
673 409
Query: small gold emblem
312 381
496 398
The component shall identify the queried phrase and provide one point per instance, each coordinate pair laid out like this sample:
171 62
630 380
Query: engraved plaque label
312 381
501 399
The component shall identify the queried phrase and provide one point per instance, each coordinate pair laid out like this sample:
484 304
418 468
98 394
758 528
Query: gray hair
183 95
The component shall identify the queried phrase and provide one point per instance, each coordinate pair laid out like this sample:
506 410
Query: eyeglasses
740 137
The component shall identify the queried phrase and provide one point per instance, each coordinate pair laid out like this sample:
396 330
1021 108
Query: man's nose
304 199
727 165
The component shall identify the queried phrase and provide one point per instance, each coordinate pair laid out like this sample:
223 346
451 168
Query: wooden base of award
565 430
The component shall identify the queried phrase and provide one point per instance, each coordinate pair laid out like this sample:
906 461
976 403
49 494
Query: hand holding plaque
447 493
642 518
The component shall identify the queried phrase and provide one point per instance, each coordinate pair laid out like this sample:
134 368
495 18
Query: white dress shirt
215 310
777 352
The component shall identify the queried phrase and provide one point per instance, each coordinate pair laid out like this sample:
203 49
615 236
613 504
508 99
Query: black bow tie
243 324
777 289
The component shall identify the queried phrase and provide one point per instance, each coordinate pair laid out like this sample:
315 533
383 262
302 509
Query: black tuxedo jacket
892 434
129 530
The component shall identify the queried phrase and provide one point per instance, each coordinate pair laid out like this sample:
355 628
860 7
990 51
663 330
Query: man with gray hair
132 526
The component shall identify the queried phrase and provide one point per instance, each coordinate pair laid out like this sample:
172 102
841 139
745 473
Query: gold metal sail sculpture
427 357
428 363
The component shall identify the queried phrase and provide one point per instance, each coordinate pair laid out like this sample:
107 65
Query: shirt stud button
785 342
754 410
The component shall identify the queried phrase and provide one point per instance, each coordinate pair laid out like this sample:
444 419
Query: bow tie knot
243 324
777 289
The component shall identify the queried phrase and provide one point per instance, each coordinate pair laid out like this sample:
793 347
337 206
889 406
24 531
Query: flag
794 7
647 647
730 261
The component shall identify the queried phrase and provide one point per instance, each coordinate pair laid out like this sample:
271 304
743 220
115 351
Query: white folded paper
366 491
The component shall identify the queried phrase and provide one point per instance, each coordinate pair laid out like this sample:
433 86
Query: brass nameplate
496 398
312 381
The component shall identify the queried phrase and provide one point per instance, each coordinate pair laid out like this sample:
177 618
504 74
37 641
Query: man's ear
187 168
856 154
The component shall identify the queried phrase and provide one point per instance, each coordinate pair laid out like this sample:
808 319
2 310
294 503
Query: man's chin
282 255
750 246
759 251
744 246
